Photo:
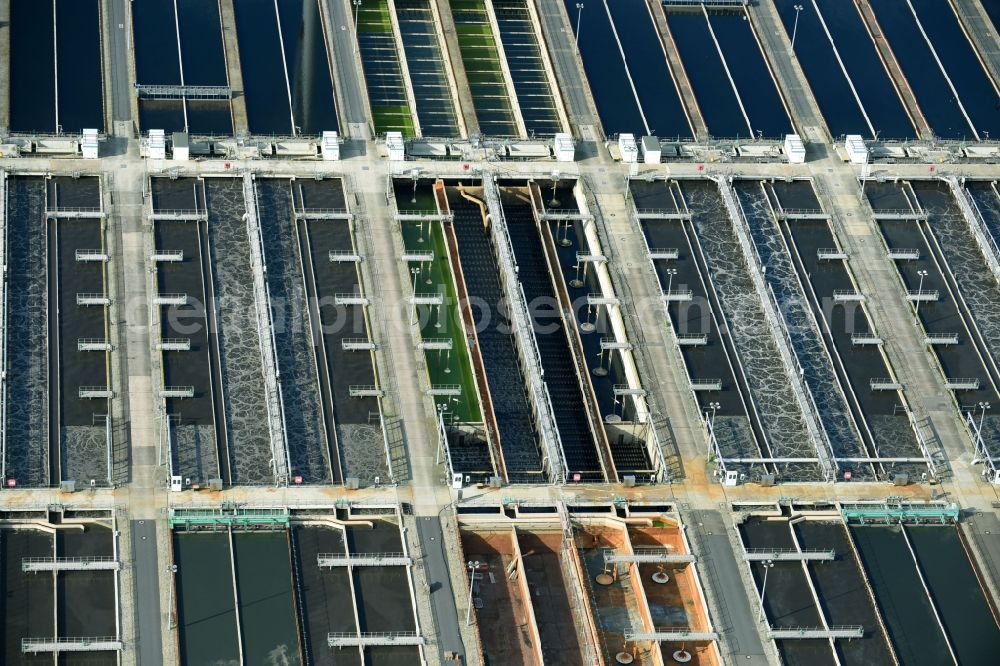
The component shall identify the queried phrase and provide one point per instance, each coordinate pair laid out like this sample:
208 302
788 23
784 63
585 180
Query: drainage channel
729 80
504 365
286 68
423 48
817 371
715 376
943 104
56 81
842 65
877 402
333 241
179 44
492 97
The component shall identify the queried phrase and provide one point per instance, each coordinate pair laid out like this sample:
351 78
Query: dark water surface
750 72
606 72
32 67
308 66
877 92
648 65
900 597
818 60
206 607
960 599
973 83
267 603
78 30
936 100
716 98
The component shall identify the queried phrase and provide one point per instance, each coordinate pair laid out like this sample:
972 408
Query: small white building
394 143
795 150
855 148
564 149
626 146
650 150
89 144
156 146
180 147
331 147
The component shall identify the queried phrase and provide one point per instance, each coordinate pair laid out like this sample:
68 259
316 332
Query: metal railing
3 327
787 554
847 295
661 214
145 91
87 644
322 214
899 214
95 393
709 3
364 391
923 295
92 299
167 256
834 631
92 344
31 564
179 214
884 384
70 212
91 255
363 559
801 214
366 638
